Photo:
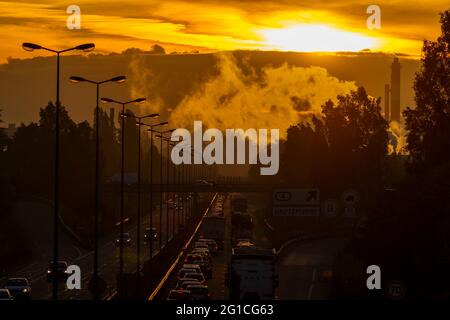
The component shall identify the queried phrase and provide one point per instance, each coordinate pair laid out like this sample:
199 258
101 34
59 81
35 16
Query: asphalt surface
305 269
221 261
108 257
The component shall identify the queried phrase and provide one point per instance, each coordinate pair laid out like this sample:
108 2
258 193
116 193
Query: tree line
27 161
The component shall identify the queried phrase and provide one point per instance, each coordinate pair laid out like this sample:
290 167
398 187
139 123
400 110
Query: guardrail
181 253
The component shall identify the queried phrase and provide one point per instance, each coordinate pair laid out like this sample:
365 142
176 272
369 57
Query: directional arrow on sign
296 197
312 195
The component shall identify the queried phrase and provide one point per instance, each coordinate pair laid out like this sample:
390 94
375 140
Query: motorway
304 267
221 260
69 251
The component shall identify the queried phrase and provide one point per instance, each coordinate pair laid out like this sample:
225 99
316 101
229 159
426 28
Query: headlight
25 290
48 271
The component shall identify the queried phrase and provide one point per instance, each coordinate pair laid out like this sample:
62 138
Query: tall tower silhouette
395 90
387 110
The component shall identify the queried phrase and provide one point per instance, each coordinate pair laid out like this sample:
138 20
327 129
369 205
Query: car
196 276
19 288
171 204
126 239
150 233
193 259
200 244
205 266
203 250
212 245
5 295
194 267
244 243
184 282
199 292
61 270
183 271
202 182
179 295
204 253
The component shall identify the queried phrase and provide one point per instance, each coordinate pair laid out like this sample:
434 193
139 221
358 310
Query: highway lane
304 269
219 268
221 262
108 261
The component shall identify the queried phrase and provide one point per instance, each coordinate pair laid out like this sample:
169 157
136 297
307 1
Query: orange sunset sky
212 25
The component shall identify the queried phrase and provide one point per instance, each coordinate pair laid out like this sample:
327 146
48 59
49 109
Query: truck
238 203
242 226
252 274
213 227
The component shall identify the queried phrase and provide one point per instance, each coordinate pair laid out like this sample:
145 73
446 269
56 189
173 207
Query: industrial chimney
395 90
111 117
386 102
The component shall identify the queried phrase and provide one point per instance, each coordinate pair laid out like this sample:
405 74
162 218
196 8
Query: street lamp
76 79
122 133
172 182
162 124
138 245
183 179
161 186
174 174
31 47
168 176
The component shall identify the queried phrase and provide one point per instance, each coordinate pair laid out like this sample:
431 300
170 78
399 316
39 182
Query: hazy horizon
170 80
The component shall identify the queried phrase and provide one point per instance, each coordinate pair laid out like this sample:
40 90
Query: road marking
311 287
166 276
78 252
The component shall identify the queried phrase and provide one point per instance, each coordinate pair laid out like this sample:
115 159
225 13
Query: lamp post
167 178
122 133
76 79
165 123
184 170
173 184
178 197
168 193
189 181
161 187
31 47
138 243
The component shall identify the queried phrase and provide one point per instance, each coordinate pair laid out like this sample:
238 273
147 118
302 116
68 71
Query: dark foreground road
73 254
304 269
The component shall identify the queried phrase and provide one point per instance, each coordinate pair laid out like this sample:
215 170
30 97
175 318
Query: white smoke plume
397 138
235 100
276 98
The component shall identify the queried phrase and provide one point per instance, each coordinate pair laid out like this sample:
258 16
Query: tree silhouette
411 222
343 148
31 160
5 197
157 49
109 154
428 140
3 137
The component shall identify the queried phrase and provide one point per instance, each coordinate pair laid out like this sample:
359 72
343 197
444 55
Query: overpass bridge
216 187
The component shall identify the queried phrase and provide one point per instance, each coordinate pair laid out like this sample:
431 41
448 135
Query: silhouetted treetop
428 125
